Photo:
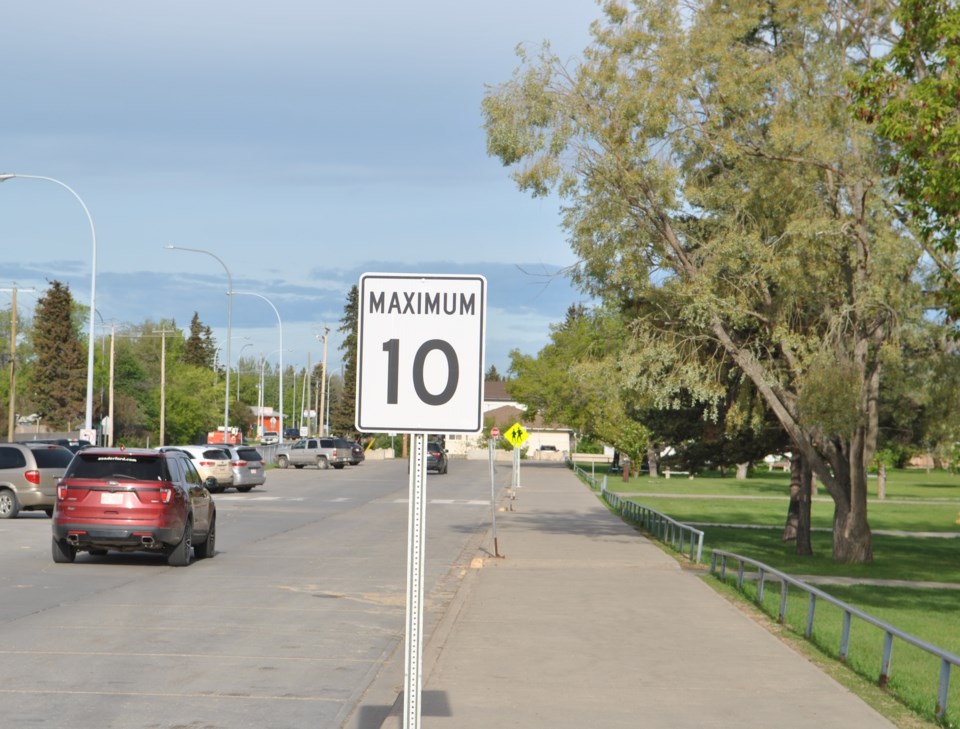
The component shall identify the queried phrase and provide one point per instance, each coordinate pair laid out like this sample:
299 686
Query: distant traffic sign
517 435
494 432
420 345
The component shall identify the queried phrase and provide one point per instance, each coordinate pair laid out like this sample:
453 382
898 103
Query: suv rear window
216 454
106 466
55 457
249 454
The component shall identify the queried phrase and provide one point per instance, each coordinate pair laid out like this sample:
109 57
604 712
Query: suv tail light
166 495
33 476
61 492
239 464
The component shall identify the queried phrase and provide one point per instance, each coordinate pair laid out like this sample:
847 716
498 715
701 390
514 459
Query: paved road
285 628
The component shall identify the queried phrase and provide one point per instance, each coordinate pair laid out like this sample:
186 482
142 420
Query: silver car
209 460
28 477
247 464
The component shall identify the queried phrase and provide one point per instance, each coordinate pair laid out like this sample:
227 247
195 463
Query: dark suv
131 500
28 477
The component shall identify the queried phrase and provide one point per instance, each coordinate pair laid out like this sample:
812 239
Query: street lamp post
226 392
280 325
88 417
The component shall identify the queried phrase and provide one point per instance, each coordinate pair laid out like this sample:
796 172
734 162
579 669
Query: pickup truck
319 452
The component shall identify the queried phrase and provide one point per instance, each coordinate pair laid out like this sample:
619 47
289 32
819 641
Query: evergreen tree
492 375
59 372
199 348
343 407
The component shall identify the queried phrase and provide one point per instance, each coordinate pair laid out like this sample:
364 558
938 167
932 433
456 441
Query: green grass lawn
915 502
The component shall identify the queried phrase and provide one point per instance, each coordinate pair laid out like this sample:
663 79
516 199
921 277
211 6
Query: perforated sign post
420 344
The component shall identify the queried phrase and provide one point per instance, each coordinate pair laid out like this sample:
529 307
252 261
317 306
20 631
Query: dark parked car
291 433
132 500
436 457
71 444
28 477
351 447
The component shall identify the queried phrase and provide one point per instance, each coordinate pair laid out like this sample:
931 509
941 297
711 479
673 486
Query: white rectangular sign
420 346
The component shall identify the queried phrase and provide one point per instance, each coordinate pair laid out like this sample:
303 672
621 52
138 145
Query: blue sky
303 142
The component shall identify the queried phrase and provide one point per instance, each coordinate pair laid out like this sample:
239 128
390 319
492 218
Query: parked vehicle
209 460
270 437
28 477
320 452
71 444
247 465
132 500
291 433
436 457
354 449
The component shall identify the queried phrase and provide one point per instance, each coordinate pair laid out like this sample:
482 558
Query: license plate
110 498
254 471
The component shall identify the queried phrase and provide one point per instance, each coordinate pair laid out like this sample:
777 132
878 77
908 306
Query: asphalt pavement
582 622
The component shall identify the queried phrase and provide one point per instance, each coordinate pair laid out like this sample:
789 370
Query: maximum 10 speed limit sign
420 346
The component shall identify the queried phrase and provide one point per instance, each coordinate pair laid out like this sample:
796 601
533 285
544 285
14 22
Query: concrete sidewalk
584 623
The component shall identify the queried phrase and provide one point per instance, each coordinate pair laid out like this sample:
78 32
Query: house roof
495 391
507 415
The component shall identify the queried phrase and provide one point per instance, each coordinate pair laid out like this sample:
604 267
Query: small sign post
420 344
494 434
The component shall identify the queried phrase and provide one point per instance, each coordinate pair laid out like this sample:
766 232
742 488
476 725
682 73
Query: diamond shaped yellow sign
517 435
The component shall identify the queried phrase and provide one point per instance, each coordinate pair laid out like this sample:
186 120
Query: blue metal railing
682 537
947 659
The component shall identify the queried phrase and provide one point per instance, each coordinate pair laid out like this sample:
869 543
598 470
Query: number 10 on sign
420 348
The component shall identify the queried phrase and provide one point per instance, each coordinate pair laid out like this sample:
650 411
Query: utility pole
13 361
163 383
323 382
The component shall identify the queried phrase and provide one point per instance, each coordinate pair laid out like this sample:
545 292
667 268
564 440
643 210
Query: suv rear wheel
9 506
180 555
63 553
282 462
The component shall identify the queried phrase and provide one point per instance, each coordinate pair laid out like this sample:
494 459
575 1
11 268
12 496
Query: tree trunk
742 469
653 460
806 487
881 482
797 527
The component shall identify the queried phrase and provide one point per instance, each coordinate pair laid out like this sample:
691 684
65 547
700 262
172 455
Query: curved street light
226 392
88 416
280 324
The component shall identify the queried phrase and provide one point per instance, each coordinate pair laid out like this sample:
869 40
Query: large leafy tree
59 369
714 177
911 96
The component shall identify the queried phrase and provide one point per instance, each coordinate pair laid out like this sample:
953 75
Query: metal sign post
493 498
416 525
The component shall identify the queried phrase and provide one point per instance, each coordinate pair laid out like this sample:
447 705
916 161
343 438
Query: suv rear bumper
85 536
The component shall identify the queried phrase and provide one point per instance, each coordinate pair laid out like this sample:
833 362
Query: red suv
131 500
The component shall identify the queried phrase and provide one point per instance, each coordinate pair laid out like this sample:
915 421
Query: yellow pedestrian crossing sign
517 435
